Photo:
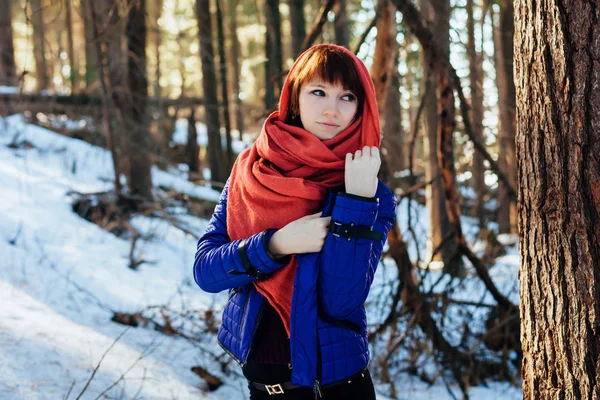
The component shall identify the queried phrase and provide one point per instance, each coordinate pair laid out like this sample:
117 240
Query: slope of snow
62 278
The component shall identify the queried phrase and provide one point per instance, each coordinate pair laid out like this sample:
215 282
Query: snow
62 278
9 90
181 131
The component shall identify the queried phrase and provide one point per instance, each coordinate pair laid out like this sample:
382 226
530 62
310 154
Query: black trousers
358 389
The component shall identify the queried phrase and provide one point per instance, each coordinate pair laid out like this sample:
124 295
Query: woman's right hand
304 235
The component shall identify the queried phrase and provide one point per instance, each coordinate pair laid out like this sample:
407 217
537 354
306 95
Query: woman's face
326 109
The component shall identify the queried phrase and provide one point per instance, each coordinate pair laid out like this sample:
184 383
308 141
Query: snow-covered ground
62 278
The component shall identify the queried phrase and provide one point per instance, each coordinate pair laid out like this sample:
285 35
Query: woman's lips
328 125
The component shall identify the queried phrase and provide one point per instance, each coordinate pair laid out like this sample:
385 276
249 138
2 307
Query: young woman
297 235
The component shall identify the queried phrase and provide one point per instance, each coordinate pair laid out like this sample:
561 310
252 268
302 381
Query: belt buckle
334 228
274 389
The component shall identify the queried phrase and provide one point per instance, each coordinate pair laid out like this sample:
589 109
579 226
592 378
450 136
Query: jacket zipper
258 318
228 352
244 313
317 384
260 311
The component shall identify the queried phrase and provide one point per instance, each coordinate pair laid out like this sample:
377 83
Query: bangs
331 66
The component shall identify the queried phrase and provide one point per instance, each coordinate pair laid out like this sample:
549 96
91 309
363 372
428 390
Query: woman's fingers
375 152
366 151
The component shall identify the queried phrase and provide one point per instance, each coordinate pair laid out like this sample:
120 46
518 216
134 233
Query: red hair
329 64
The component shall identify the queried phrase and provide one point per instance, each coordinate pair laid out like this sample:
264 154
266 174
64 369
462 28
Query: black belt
280 388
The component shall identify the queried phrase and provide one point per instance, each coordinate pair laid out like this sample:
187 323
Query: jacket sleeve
348 264
221 263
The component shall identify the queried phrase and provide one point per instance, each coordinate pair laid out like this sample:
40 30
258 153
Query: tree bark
140 177
504 201
94 39
440 226
506 106
8 69
91 55
73 61
224 96
393 114
273 56
558 149
39 45
298 25
476 83
235 61
384 61
444 135
209 85
192 150
156 38
342 24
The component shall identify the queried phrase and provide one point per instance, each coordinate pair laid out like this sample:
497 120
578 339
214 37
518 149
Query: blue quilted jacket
328 338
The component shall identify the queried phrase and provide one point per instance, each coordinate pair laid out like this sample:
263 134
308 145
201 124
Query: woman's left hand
361 171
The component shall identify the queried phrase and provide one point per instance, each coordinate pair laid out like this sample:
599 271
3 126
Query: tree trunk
39 45
342 24
224 96
192 150
91 56
298 25
8 69
503 216
109 20
209 85
476 83
88 6
394 132
384 60
445 130
235 61
506 105
558 149
73 61
440 227
156 40
140 182
273 54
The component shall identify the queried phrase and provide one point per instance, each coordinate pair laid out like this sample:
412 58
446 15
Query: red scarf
286 175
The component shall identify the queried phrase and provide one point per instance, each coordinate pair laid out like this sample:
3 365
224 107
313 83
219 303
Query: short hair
330 64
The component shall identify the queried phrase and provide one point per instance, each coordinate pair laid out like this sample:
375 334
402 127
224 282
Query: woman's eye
318 92
349 97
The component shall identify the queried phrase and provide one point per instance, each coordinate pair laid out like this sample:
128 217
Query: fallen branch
212 381
100 363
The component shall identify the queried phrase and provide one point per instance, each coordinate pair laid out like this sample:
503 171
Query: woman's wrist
275 245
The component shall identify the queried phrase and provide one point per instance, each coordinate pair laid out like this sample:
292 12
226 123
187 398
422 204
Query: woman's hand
361 172
304 235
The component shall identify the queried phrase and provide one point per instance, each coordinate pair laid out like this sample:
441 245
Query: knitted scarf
286 174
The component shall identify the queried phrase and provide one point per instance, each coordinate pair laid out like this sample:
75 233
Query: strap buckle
274 389
333 228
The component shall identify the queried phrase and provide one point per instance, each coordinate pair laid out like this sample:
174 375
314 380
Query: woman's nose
330 109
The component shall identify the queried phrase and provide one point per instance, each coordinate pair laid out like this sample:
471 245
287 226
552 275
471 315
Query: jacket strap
351 231
250 270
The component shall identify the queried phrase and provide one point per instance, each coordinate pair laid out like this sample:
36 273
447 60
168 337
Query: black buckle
351 231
